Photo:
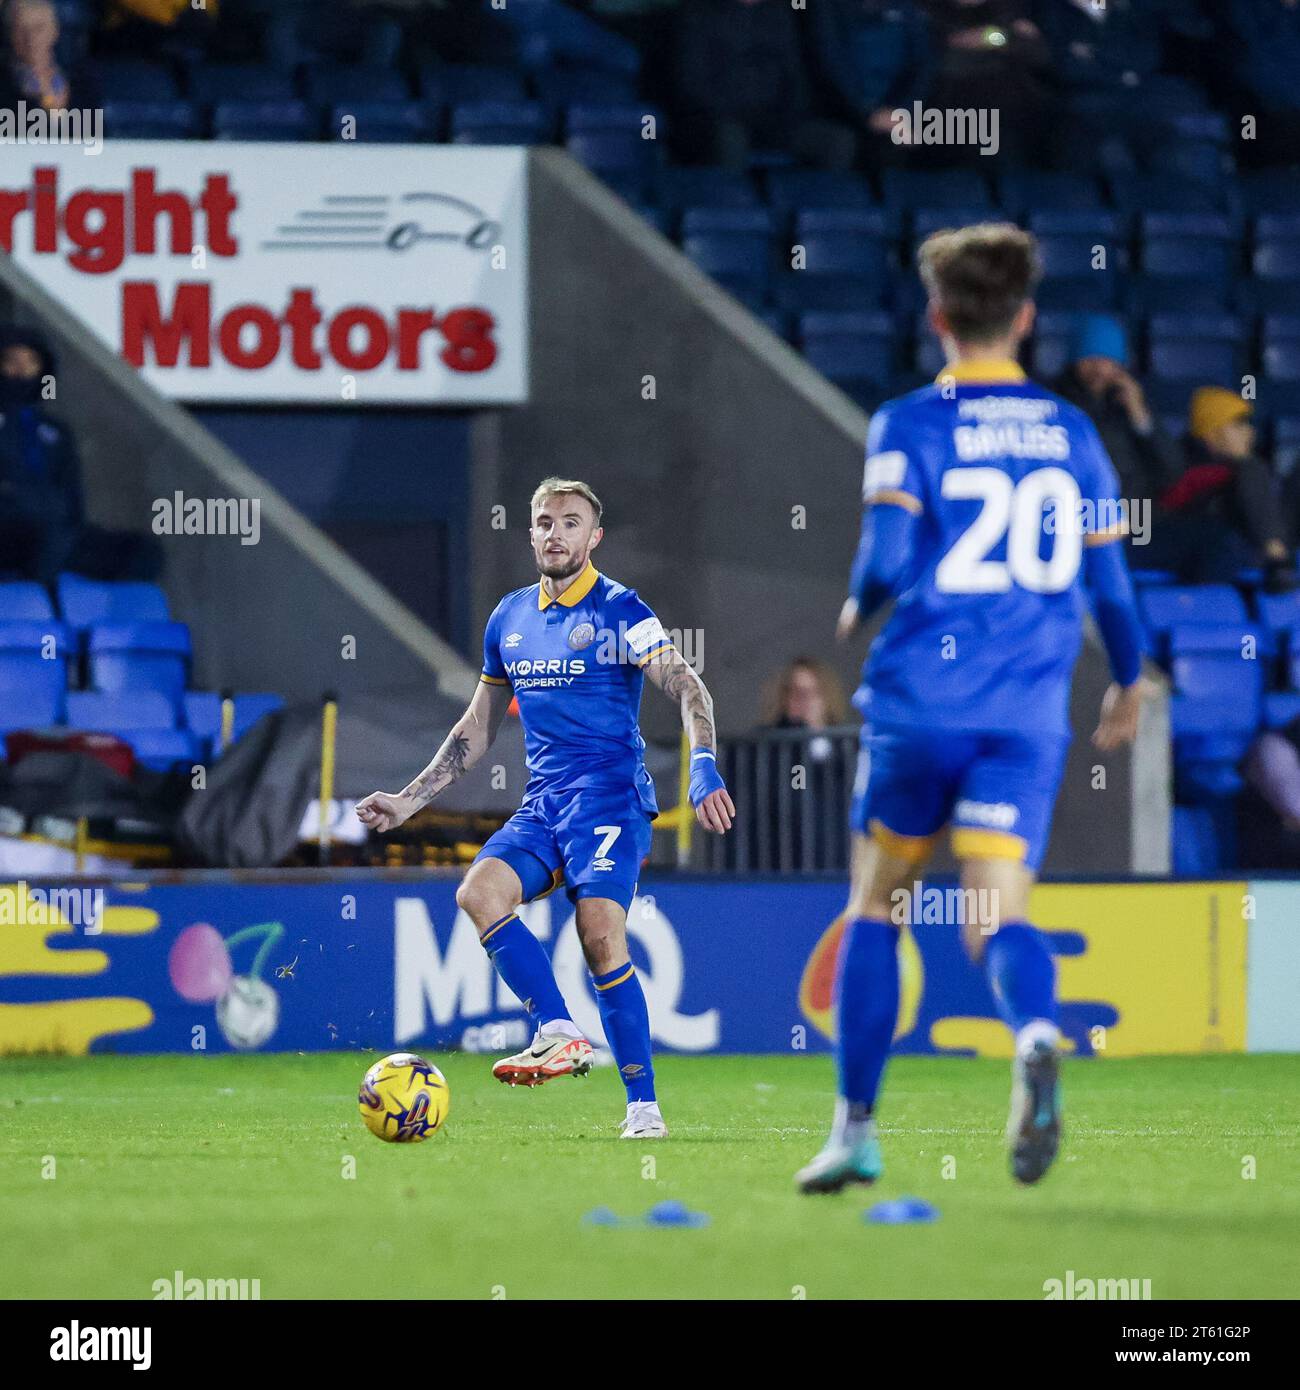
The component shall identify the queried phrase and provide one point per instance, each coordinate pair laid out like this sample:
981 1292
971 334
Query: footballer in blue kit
991 520
574 649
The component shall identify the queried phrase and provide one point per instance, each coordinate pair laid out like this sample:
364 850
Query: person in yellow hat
1224 514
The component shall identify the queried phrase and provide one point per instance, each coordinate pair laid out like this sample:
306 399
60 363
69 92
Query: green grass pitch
234 1167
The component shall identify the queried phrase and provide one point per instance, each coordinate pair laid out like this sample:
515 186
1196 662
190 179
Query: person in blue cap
1098 381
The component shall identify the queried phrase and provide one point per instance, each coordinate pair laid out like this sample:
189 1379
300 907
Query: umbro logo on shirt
513 640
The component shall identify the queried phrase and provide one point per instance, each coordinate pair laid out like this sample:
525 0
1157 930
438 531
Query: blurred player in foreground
573 648
990 511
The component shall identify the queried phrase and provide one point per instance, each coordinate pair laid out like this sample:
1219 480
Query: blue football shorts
996 790
592 840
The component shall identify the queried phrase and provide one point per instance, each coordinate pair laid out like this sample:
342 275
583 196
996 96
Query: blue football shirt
575 666
1008 482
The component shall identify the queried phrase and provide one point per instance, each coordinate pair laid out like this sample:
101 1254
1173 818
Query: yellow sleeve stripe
650 656
492 680
897 498
1112 533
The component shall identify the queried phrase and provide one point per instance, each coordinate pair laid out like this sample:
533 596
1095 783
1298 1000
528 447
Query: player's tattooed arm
714 808
670 671
469 739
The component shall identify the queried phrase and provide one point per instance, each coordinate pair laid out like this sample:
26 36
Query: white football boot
643 1121
548 1055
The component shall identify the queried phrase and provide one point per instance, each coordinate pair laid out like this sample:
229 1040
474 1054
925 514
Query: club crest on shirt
582 636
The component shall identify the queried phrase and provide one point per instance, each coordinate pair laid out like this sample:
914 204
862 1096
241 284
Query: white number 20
1014 510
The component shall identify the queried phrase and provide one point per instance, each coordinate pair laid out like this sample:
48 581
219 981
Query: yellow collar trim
992 370
574 594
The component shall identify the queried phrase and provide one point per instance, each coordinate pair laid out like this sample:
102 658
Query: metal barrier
792 789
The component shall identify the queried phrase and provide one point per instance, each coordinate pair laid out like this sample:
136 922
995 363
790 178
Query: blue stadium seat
1229 640
1164 224
1277 260
1189 256
34 654
332 84
925 221
100 712
676 187
1027 193
1225 678
735 243
382 122
1099 224
1268 191
850 348
1198 851
500 123
140 656
1280 708
30 707
1144 295
843 241
561 87
164 750
201 714
212 83
250 708
1053 333
21 598
1194 347
797 292
85 603
1165 606
727 221
1082 294
133 79
1135 193
152 120
1286 443
288 121
790 189
1282 359
935 188
461 83
1278 226
1071 257
612 152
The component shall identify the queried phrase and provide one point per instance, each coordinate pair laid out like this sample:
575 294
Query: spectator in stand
43 528
1262 42
805 697
1224 514
1099 47
143 28
746 75
1098 381
990 55
30 71
1268 810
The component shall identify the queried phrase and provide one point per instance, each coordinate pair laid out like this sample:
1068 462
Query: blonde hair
561 487
979 276
777 691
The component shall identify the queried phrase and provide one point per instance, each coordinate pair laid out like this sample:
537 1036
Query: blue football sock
866 995
626 1020
518 958
1021 974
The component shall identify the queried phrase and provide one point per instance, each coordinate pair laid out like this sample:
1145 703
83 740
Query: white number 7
611 833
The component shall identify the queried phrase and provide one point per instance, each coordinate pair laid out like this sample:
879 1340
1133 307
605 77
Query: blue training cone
902 1211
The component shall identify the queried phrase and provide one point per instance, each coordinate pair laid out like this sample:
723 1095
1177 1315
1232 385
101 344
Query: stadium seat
797 292
1028 193
612 152
461 83
1194 347
101 712
1165 192
34 655
85 603
1286 443
925 221
675 188
215 83
1164 606
163 750
1050 346
23 599
1198 848
1099 224
1074 256
1277 260
30 707
500 123
1281 360
1281 707
853 349
566 87
730 243
1144 295
843 241
1277 226
791 189
132 79
383 122
264 121
935 188
140 656
330 84
1196 256
251 708
1083 294
152 120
